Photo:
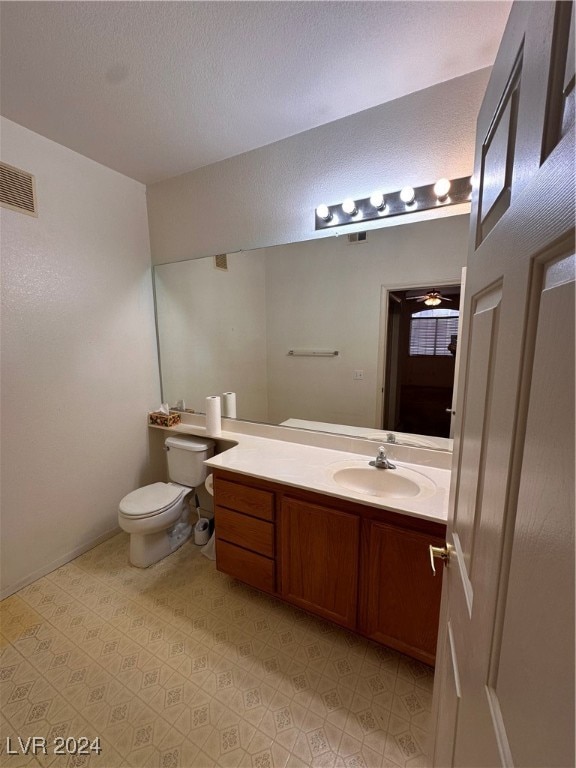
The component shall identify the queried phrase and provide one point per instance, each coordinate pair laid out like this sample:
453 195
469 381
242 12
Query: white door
504 692
457 360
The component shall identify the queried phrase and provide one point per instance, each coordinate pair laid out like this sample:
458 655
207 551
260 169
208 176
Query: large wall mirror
303 333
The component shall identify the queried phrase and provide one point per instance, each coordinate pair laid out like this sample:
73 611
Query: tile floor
178 666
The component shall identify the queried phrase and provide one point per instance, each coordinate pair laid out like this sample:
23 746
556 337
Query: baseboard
4 593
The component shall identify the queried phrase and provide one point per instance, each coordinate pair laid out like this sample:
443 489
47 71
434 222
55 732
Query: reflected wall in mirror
232 329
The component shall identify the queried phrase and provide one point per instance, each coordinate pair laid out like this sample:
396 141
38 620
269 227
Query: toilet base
149 548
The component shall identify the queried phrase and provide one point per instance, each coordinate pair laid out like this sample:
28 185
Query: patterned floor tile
177 666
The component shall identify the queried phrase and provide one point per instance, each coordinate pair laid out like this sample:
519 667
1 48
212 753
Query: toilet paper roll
229 405
209 484
213 419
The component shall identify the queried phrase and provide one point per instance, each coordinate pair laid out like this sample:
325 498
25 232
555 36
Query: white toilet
156 516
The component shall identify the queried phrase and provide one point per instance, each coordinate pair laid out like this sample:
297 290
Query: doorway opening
422 337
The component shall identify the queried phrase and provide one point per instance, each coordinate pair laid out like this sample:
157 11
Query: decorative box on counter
160 419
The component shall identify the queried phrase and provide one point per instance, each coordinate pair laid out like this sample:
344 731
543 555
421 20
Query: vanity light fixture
441 189
407 195
377 201
323 212
382 205
349 207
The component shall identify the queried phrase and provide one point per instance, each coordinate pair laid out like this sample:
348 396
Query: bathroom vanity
365 568
304 517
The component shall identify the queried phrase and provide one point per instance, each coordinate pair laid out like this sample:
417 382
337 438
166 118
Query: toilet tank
185 457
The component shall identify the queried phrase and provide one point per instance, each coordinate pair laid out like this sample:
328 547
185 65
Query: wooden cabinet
364 568
399 596
245 532
319 566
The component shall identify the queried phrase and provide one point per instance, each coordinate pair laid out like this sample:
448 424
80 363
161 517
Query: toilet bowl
157 516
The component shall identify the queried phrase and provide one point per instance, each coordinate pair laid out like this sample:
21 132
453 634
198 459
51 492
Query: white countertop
307 459
311 468
376 435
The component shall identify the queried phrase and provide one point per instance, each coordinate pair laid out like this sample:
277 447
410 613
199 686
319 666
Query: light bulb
441 189
377 200
433 301
323 212
349 207
407 195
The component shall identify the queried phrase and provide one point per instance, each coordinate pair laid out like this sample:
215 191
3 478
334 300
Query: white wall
79 364
212 332
267 196
326 294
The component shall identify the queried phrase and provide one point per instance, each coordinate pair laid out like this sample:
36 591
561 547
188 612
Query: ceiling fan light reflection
433 301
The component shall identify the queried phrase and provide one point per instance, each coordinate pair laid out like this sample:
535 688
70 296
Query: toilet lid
150 500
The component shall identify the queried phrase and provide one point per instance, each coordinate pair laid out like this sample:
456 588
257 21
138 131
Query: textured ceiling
156 89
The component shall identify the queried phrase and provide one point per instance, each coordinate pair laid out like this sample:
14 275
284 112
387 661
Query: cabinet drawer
253 569
242 498
248 532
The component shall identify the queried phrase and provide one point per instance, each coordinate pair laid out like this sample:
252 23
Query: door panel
560 110
448 685
521 682
320 550
400 598
498 155
481 340
508 600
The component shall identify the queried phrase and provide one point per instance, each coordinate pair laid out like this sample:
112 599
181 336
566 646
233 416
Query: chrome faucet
381 461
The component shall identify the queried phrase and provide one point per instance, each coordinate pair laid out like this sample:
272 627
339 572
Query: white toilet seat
151 500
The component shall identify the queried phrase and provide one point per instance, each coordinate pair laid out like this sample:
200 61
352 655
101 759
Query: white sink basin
399 483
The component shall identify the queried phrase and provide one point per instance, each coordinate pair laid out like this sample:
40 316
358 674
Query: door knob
441 552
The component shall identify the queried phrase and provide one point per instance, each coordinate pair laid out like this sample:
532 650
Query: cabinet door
319 570
400 597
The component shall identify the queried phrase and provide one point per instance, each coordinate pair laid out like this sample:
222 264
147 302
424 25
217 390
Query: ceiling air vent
17 190
221 261
357 237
